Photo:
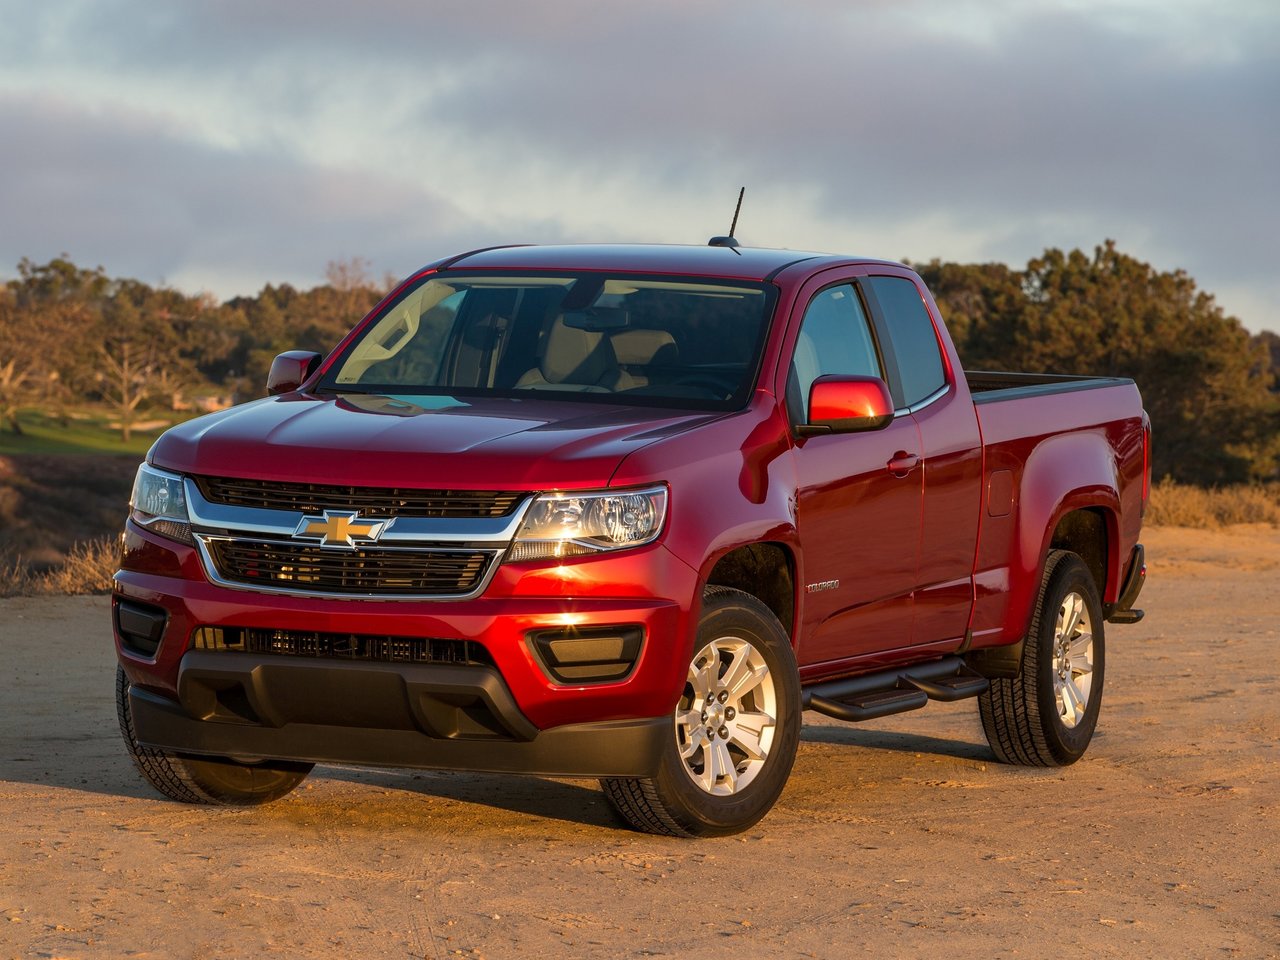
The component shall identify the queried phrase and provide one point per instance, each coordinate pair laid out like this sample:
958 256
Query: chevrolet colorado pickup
625 512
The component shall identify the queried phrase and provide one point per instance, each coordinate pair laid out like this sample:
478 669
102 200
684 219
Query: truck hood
419 441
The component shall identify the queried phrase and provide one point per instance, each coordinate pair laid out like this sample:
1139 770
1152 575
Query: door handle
903 463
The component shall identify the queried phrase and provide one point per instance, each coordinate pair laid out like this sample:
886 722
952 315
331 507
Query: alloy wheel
726 718
1072 659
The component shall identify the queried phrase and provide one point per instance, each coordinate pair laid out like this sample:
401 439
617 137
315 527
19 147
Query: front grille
342 646
280 564
367 501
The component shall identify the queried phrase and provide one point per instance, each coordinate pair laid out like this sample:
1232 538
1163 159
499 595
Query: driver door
859 519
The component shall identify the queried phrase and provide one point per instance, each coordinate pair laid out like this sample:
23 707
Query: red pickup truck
625 512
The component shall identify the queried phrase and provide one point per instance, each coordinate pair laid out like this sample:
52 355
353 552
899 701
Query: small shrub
1177 505
13 578
87 568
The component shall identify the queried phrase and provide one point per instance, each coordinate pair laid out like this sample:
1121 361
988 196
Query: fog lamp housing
586 655
140 626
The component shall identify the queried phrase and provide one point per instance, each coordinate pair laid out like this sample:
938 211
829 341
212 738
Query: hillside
48 502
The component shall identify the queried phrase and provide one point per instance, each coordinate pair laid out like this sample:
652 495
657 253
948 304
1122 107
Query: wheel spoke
710 772
1073 703
741 678
696 741
703 678
707 778
719 764
689 720
1080 647
747 731
1072 607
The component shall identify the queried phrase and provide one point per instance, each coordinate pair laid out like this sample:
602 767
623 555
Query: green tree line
1209 387
70 335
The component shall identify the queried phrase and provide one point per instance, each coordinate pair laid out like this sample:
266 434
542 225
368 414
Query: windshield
593 337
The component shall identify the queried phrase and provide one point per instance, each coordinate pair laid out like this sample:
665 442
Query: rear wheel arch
1044 710
1082 527
1089 533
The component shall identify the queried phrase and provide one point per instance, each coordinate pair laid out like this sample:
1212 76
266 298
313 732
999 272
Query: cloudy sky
222 144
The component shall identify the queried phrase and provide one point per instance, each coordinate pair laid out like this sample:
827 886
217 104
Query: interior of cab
627 337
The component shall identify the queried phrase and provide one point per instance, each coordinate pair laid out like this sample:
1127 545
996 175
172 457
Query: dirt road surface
897 838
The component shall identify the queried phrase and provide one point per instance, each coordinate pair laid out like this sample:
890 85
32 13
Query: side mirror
839 404
290 370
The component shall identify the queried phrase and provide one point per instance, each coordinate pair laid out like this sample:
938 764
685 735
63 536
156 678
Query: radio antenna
729 241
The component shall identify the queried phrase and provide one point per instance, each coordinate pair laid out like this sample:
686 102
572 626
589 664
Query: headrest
575 356
642 346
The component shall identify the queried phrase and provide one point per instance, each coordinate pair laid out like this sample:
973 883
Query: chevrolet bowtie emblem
342 529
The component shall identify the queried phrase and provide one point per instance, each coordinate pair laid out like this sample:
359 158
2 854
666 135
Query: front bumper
511 715
404 715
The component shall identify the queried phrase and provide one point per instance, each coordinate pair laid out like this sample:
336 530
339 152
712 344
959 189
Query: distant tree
283 318
44 319
983 304
1267 343
264 331
19 360
57 282
139 348
1204 384
351 292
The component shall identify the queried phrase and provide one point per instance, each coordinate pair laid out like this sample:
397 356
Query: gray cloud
1050 125
130 192
1061 118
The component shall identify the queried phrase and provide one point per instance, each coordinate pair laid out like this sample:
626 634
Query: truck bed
990 386
1043 433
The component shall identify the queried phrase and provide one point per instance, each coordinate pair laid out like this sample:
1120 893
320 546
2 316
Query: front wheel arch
691 794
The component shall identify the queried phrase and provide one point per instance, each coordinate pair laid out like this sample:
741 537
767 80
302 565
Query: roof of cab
740 263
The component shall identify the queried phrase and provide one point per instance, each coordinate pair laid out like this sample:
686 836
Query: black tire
1037 718
206 780
688 798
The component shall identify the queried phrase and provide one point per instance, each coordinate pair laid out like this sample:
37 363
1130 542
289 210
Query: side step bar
881 694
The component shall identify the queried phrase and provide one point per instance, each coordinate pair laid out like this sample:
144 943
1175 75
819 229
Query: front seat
573 359
639 350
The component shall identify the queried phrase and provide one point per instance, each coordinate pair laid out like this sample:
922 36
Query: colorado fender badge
822 585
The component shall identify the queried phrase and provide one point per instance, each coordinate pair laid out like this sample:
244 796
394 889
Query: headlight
159 503
572 524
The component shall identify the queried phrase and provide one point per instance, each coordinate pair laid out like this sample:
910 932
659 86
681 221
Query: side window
834 338
915 344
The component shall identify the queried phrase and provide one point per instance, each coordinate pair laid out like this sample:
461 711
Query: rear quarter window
915 343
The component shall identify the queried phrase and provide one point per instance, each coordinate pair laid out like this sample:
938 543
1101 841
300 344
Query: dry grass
1176 505
87 568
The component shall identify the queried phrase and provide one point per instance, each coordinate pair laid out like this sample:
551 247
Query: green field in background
86 430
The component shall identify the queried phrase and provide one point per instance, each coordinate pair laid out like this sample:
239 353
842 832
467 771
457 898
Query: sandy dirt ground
898 838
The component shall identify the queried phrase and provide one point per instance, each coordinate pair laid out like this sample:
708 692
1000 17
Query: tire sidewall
205 779
1068 744
728 613
246 784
